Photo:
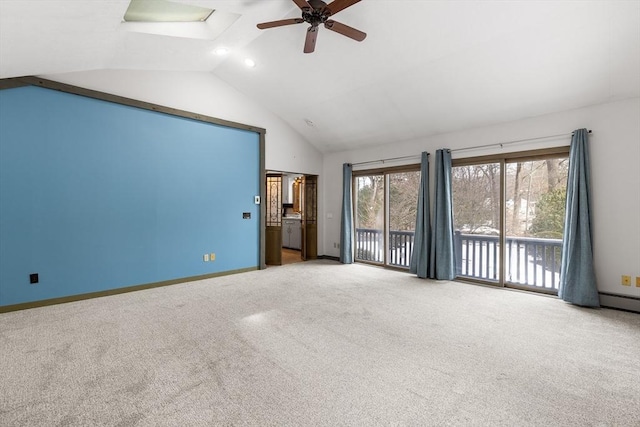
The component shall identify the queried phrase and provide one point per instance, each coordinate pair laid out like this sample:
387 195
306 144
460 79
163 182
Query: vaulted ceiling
426 67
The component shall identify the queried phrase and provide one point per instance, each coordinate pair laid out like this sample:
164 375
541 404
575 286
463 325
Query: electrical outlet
637 281
626 280
212 256
33 278
205 257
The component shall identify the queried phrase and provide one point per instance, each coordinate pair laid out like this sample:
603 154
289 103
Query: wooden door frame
273 233
309 221
314 230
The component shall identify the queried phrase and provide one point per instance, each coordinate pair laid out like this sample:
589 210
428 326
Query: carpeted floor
320 343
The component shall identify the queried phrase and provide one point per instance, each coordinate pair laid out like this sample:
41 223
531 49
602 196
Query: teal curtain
442 265
577 277
346 219
420 255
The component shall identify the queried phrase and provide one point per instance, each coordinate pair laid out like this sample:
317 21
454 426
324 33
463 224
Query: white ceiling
426 67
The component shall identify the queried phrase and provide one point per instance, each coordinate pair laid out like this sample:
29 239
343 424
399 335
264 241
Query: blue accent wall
96 196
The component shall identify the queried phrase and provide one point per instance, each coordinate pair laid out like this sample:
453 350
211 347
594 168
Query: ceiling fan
316 12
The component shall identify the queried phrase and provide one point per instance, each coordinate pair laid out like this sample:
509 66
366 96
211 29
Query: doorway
291 211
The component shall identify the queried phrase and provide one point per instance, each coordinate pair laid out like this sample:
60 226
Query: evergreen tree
549 220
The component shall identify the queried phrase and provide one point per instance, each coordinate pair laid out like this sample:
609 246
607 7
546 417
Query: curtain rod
415 156
498 144
501 144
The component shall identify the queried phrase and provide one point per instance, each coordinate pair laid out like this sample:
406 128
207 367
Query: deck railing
531 261
401 245
370 242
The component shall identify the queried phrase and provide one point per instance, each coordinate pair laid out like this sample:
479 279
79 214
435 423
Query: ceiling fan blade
280 23
303 4
310 41
337 5
345 30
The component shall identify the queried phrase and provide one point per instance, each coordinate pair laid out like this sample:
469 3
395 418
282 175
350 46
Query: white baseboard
622 302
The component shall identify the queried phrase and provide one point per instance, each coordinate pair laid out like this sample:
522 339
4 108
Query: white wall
615 167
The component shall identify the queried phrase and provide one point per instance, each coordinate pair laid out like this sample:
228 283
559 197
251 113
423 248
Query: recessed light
221 51
249 62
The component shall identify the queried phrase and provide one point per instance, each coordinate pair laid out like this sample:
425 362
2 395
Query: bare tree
552 174
475 195
517 201
403 200
369 200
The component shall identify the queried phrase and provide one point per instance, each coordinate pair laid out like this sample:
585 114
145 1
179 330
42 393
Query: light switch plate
256 200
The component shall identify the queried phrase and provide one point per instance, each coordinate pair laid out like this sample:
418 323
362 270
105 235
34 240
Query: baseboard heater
621 302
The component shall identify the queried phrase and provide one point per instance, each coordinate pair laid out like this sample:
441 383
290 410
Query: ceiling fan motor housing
318 15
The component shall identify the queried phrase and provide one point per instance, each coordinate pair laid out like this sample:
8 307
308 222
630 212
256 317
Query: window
385 203
164 11
509 218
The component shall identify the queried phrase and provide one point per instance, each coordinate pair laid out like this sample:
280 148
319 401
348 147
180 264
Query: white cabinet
291 233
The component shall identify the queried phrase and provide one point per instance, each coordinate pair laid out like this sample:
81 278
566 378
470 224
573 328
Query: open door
309 223
273 207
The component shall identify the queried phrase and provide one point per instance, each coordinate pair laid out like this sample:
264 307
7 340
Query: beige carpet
319 343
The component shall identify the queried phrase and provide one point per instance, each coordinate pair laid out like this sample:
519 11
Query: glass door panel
273 221
309 224
476 213
403 201
369 218
534 216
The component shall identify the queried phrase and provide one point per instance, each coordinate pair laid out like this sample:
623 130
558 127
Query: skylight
165 11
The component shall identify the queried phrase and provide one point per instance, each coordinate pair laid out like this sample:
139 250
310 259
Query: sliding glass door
476 219
385 215
369 217
535 206
403 203
509 218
